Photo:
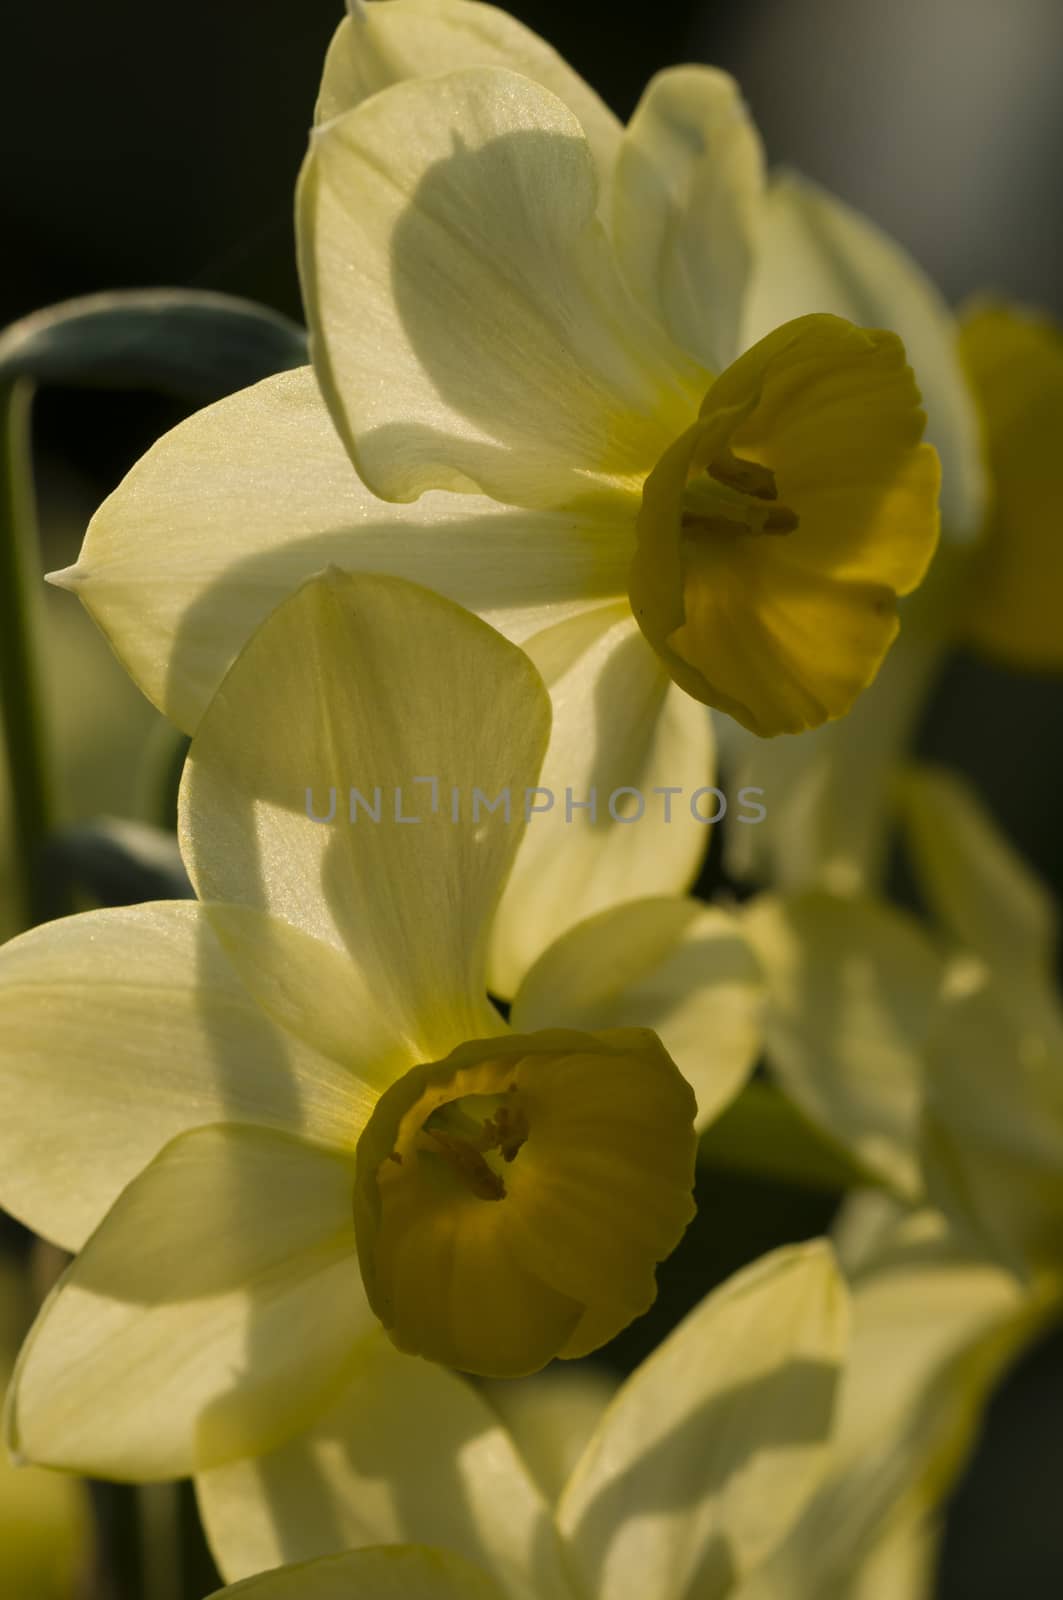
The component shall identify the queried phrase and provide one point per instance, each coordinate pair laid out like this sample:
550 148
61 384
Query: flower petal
619 724
976 883
210 1315
123 1028
239 504
551 1417
933 1325
712 1447
683 969
687 207
408 1453
829 795
469 324
370 684
398 1572
852 986
820 255
1014 361
379 45
994 1125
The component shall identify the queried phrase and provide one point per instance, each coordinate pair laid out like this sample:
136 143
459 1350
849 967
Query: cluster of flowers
600 432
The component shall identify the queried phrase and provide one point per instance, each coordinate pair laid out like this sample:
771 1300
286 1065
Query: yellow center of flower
734 495
776 534
588 1139
474 1136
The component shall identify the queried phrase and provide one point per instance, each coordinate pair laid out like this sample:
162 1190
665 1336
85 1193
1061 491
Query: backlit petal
681 968
210 1315
687 208
818 254
379 45
401 1572
370 684
851 986
619 725
713 1446
469 325
239 504
123 1028
407 1454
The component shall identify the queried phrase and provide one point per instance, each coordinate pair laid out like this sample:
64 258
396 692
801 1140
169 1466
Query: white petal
819 255
619 723
687 205
714 1444
210 1315
370 684
851 989
407 1454
239 504
379 45
469 324
681 968
123 1028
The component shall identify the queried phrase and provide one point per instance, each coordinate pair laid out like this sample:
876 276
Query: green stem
21 684
160 1541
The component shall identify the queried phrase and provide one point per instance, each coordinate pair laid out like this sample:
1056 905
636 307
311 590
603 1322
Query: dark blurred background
159 145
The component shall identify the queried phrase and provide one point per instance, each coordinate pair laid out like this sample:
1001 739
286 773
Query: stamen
464 1137
748 477
470 1165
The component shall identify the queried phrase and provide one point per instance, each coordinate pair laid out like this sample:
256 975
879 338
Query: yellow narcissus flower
992 379
1014 361
695 1470
212 1100
528 317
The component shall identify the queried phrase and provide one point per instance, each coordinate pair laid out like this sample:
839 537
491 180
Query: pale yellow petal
468 322
712 1447
933 1326
994 1136
551 1417
378 45
370 685
407 1454
828 796
687 207
851 987
818 254
123 1028
681 968
401 1572
210 1315
605 829
239 504
975 881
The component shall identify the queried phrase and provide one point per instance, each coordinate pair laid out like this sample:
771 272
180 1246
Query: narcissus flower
693 1473
212 1100
1014 361
517 302
992 378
